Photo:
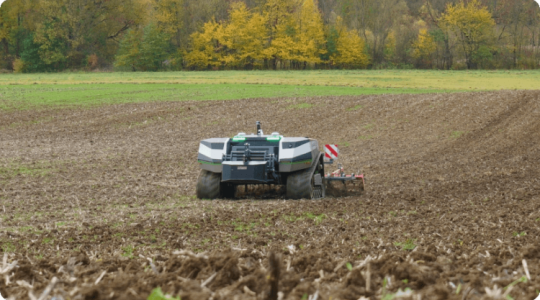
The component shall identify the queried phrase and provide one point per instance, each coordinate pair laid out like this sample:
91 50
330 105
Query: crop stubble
451 206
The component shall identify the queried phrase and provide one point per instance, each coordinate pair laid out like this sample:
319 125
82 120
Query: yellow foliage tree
282 28
424 47
473 24
285 46
390 46
299 38
349 48
311 33
170 18
239 43
206 47
245 38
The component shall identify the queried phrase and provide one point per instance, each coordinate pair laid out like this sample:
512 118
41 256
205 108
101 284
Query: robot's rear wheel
209 186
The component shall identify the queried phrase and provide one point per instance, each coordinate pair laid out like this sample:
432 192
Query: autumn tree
281 30
517 26
285 46
374 19
431 13
17 23
311 34
169 17
405 33
205 51
473 25
356 14
51 35
350 48
298 39
424 47
382 20
198 12
237 43
245 37
70 30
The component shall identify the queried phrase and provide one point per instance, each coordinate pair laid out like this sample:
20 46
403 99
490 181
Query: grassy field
411 79
27 96
30 90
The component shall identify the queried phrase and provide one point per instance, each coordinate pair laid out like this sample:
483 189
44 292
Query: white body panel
287 154
214 153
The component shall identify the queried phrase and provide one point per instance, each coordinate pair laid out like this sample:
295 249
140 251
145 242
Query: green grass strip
412 79
69 95
208 163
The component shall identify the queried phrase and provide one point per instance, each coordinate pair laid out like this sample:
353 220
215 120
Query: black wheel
300 185
208 185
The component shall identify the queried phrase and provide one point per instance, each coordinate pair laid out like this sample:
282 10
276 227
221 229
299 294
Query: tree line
152 35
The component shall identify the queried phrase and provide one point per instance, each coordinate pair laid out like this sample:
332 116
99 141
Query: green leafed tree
31 57
129 50
144 50
154 49
331 43
68 31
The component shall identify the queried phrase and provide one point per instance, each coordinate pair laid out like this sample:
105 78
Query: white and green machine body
226 163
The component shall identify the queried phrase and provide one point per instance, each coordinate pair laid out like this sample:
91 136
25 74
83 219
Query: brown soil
450 208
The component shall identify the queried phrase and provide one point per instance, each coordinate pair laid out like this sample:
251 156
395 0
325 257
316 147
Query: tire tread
299 185
208 185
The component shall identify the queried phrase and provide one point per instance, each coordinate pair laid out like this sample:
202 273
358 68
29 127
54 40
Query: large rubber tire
209 185
300 185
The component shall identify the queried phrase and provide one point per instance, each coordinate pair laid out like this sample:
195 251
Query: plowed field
98 203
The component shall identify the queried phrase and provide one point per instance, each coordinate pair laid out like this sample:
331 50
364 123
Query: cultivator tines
339 184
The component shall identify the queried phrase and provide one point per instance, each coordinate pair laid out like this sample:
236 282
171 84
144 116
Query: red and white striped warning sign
331 151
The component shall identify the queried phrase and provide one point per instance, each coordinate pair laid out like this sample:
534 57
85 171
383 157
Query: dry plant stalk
274 264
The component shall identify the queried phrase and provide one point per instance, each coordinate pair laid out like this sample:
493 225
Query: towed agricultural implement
293 163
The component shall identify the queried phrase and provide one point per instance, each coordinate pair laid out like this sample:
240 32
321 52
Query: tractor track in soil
91 196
